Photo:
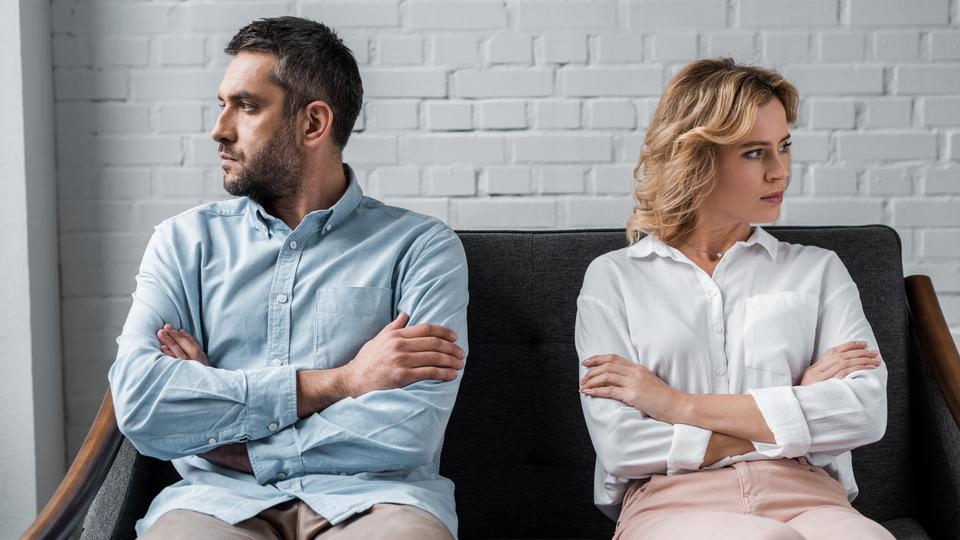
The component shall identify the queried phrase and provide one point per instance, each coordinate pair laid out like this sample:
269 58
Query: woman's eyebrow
762 143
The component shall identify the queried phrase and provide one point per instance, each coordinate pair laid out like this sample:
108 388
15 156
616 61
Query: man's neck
321 189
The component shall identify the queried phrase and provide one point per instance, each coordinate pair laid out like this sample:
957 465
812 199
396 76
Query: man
330 329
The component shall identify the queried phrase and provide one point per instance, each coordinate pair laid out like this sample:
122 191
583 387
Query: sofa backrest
517 447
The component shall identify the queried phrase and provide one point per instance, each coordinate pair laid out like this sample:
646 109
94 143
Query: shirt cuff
275 458
784 416
687 449
271 400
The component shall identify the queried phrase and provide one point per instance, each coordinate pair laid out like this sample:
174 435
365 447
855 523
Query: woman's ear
318 128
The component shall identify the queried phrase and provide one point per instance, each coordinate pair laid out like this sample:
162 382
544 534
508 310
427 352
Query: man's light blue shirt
264 302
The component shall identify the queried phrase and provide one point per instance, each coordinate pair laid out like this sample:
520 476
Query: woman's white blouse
770 310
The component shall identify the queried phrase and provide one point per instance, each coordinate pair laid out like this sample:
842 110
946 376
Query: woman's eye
754 154
785 147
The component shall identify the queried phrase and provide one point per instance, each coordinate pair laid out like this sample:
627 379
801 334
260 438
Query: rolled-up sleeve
628 443
171 408
387 430
836 415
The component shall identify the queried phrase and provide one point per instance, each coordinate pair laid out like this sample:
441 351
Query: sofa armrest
935 340
65 510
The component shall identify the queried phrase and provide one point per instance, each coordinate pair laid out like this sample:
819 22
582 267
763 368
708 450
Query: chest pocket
779 332
346 318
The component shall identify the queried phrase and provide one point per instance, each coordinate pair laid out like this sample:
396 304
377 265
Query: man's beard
272 175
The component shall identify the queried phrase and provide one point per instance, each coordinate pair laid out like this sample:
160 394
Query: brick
455 50
566 14
834 180
942 243
202 151
358 44
225 16
953 145
453 181
845 46
438 208
371 149
601 82
598 212
945 275
510 49
507 114
179 117
930 79
138 150
942 181
619 48
886 146
612 179
810 145
888 112
925 213
396 181
88 84
173 84
629 146
557 114
897 13
827 79
506 180
393 114
458 15
674 46
898 46
945 45
149 213
941 111
611 114
71 51
352 14
135 19
80 216
425 83
448 115
453 148
181 183
740 46
786 13
504 213
659 14
563 48
121 118
828 114
565 179
121 51
400 50
562 148
122 183
180 51
783 47
888 182
817 212
502 83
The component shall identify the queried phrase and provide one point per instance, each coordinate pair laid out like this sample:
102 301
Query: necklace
711 254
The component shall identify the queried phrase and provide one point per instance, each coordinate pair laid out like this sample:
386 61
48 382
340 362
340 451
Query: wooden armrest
66 509
935 340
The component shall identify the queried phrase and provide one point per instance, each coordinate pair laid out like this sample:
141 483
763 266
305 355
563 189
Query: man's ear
317 128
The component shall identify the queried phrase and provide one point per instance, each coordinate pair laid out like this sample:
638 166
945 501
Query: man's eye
245 106
221 104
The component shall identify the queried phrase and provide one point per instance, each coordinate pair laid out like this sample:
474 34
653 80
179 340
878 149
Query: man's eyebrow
762 143
239 96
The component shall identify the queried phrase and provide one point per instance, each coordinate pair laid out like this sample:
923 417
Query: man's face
258 144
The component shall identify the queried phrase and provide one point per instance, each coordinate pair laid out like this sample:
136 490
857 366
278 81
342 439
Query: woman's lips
773 198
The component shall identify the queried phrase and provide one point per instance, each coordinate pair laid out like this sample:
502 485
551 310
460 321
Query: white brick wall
498 114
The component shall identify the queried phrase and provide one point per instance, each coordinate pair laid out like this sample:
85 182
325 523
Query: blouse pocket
347 318
779 333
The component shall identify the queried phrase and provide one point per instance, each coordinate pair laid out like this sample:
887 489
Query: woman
709 416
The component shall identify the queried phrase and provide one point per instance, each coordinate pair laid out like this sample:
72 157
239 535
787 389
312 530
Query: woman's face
752 173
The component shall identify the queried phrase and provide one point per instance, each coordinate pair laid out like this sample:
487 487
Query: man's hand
840 361
615 377
180 344
396 357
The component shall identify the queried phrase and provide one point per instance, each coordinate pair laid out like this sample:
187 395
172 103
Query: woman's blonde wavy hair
709 103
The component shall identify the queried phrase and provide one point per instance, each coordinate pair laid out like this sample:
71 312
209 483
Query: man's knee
187 525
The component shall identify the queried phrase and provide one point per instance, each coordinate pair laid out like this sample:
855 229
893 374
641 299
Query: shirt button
343 474
275 362
282 298
328 227
717 328
718 372
211 440
273 426
281 476
293 244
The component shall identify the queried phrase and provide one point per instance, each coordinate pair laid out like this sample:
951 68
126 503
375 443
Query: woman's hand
615 377
179 344
840 361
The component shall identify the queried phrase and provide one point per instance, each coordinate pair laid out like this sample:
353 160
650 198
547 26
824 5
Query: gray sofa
517 447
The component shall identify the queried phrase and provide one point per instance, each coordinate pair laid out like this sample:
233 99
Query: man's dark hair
312 64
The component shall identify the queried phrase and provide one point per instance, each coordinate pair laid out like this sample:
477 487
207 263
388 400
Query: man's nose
223 130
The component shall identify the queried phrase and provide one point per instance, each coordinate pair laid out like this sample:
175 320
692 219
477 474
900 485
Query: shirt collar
650 245
328 219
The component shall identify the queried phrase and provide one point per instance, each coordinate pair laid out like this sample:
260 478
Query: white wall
497 114
31 394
